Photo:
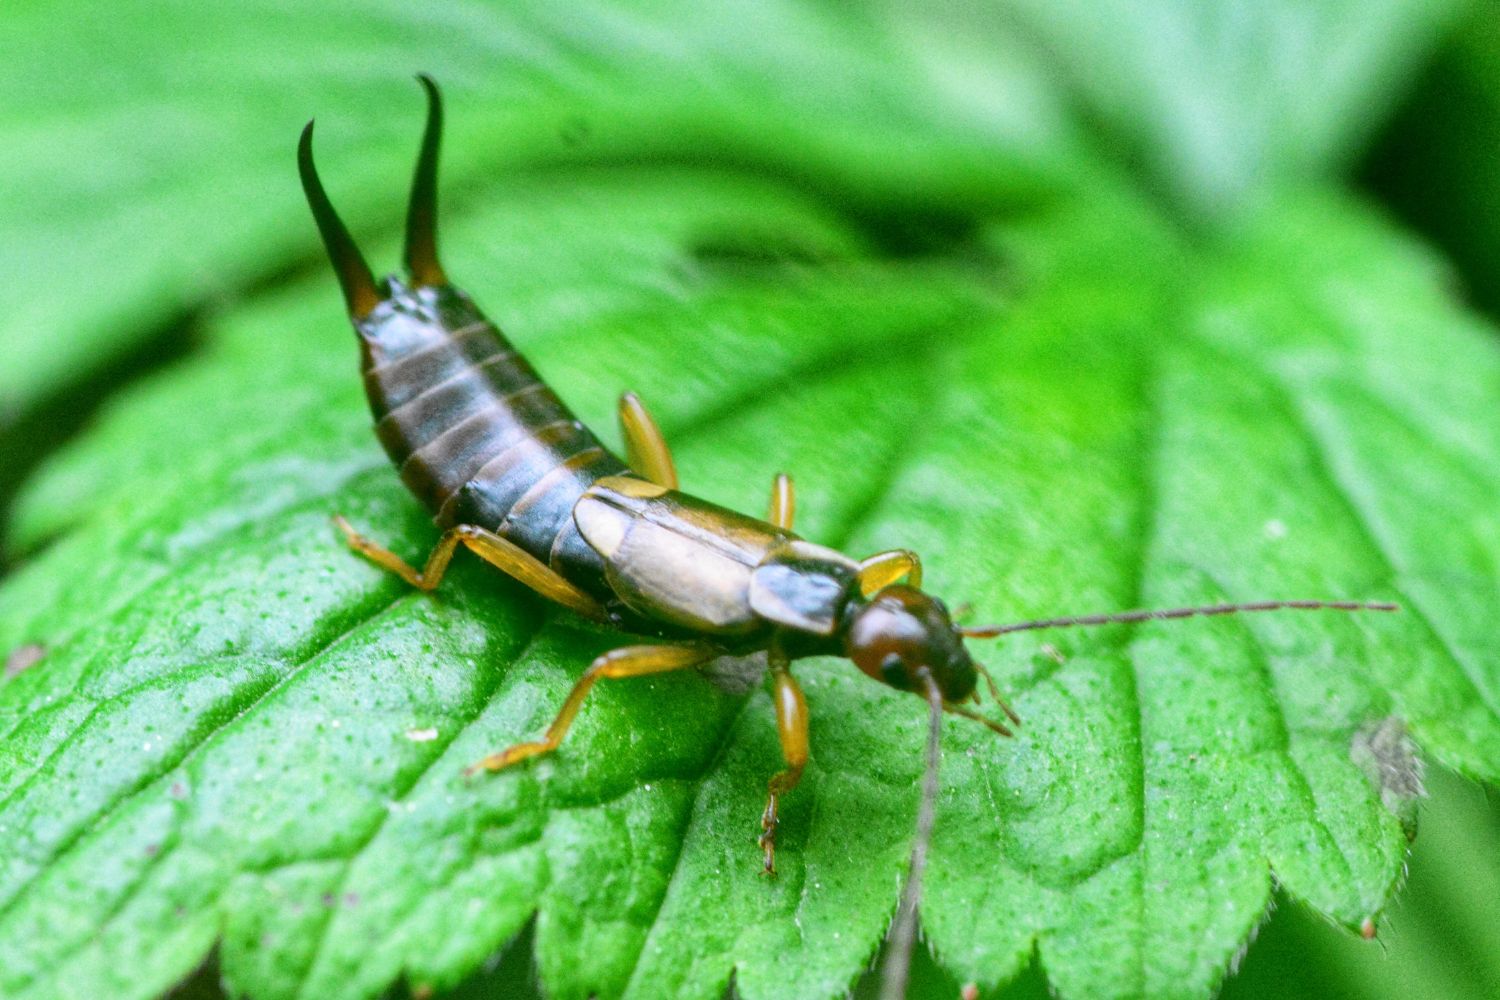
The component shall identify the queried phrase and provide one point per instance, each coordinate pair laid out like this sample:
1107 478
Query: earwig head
902 631
364 296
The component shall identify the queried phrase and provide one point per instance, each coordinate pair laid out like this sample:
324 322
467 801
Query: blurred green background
146 187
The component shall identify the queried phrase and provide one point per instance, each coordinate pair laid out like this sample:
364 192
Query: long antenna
897 969
421 213
1162 614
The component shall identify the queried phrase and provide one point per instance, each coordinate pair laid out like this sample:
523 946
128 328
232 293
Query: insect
511 475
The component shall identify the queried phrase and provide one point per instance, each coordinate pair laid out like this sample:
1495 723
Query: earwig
510 474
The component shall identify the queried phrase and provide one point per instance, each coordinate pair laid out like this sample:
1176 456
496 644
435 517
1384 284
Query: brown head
906 638
902 633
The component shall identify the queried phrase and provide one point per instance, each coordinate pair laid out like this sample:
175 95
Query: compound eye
893 671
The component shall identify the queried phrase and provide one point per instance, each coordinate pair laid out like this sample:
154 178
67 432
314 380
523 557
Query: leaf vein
257 700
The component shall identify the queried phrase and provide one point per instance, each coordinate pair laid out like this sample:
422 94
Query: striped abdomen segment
480 439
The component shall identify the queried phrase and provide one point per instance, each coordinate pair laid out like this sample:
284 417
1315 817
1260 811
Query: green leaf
809 250
132 192
239 731
1437 945
1315 403
1221 101
146 168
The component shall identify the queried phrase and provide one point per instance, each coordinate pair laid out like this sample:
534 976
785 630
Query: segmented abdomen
480 439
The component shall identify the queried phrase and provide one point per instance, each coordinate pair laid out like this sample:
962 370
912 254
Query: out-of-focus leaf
1221 101
146 153
1440 159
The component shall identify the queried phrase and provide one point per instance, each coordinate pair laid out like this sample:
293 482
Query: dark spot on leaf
741 250
177 790
152 850
1385 753
903 235
203 983
24 657
40 427
351 899
575 132
328 899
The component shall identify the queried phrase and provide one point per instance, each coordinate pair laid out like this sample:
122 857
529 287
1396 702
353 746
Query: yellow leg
432 572
885 568
628 661
645 448
791 727
783 501
506 556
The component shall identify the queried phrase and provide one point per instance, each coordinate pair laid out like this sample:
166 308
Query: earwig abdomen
476 434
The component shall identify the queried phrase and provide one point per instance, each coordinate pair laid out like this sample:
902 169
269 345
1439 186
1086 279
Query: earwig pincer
511 475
